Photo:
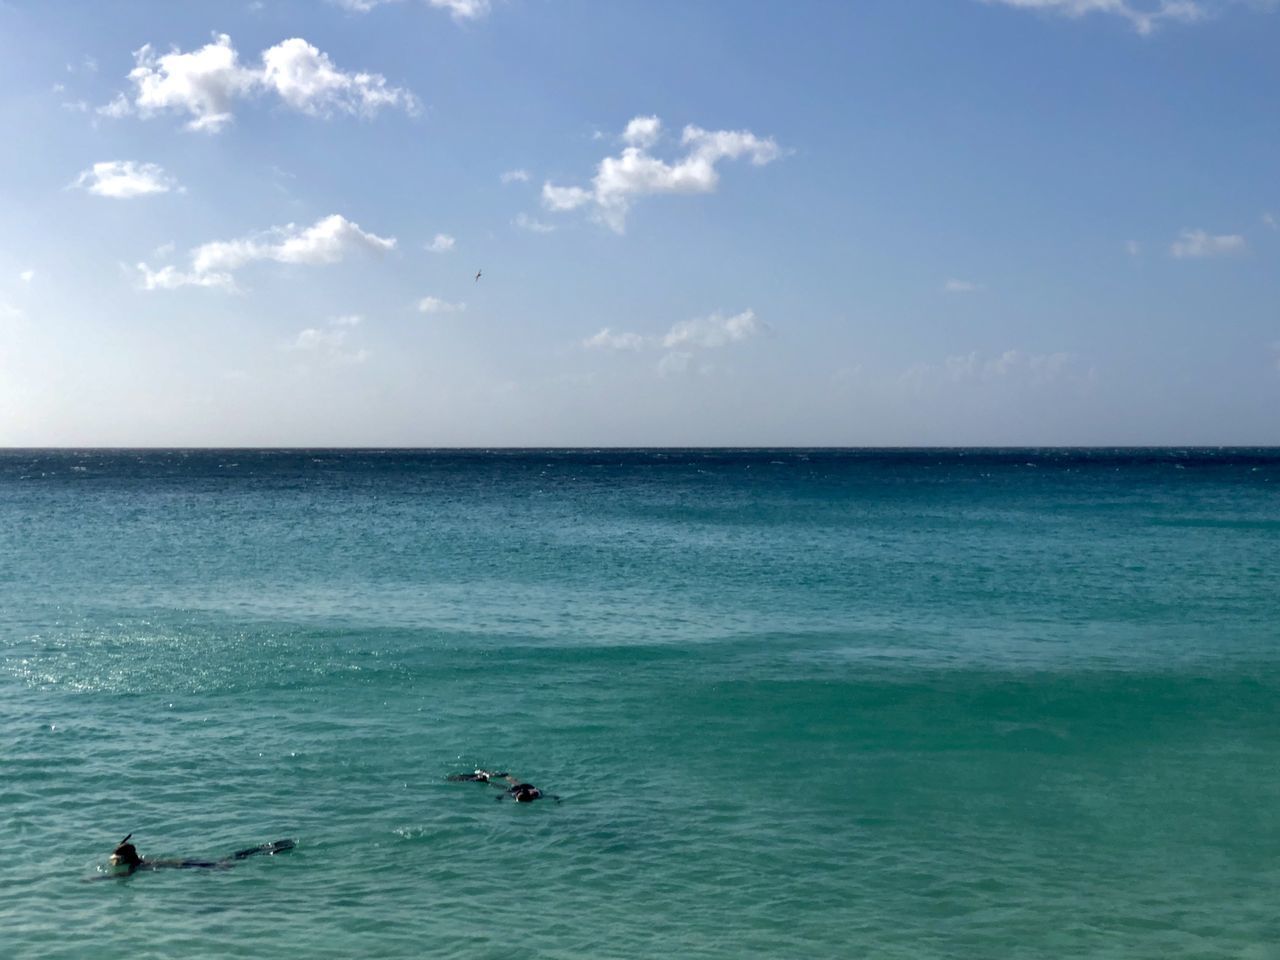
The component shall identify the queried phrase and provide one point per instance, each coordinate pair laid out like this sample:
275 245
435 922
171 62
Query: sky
634 223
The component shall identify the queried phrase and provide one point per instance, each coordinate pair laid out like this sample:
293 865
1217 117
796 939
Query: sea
782 703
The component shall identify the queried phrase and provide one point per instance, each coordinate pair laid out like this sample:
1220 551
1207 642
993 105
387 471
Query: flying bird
478 272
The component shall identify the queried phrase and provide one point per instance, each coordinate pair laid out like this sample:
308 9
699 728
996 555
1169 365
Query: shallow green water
796 703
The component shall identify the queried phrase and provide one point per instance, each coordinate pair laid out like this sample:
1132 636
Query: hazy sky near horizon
801 223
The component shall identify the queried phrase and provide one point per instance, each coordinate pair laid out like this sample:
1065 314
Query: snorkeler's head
125 855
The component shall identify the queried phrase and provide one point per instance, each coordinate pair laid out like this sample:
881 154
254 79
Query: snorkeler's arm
277 846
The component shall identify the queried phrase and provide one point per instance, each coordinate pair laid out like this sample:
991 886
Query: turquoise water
807 704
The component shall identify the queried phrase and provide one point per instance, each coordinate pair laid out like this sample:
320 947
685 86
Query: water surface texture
892 704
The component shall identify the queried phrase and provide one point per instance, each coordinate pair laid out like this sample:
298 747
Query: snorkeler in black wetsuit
519 792
125 860
524 792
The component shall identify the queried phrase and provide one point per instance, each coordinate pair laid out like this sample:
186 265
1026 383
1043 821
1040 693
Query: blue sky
846 223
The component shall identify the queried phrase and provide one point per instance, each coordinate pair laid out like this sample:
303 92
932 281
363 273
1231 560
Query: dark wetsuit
524 793
126 855
519 792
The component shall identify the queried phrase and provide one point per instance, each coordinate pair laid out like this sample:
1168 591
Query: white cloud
171 278
330 344
328 240
1144 15
26 276
606 339
515 176
118 107
307 80
359 6
714 331
460 9
442 243
635 172
123 179
205 83
643 132
1199 244
1133 248
564 198
683 339
313 339
526 222
962 286
1270 220
436 305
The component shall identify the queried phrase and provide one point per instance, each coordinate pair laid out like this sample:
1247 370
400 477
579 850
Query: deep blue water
819 703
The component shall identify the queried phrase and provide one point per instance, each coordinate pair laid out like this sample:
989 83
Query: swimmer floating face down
125 859
518 791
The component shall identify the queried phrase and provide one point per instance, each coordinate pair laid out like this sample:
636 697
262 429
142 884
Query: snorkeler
126 861
518 791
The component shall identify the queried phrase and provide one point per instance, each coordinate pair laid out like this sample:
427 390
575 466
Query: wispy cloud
331 343
436 305
1009 366
1133 248
123 179
459 9
636 172
206 83
1270 220
442 243
715 330
526 222
684 342
170 277
606 339
26 276
1143 15
328 240
87 65
515 176
962 286
675 363
1197 244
